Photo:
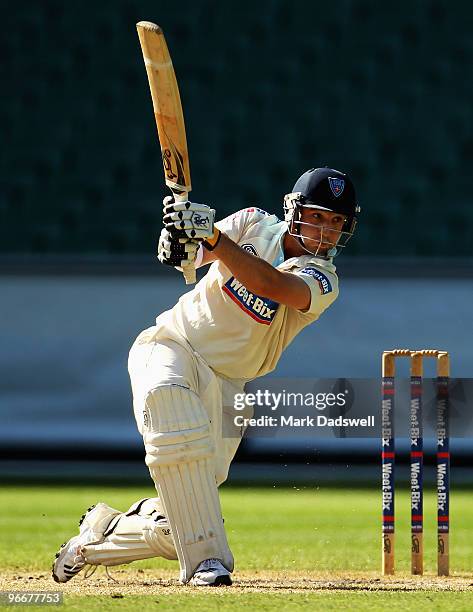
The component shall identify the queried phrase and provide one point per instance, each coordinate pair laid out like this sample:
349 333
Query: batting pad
140 533
180 457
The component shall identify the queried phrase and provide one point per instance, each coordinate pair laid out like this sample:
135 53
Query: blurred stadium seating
382 90
270 88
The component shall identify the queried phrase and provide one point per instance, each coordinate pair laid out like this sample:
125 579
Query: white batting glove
188 219
178 252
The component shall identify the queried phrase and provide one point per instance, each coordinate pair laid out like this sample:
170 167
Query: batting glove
176 251
188 219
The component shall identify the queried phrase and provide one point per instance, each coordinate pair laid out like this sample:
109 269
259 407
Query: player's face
320 229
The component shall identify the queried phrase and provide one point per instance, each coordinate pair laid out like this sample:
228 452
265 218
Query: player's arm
205 257
193 221
258 275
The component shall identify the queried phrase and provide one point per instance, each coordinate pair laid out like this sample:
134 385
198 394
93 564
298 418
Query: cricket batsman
268 279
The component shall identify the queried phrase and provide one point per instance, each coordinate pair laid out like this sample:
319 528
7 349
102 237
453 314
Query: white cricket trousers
158 360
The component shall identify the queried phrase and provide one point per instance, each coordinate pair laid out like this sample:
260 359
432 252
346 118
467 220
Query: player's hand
176 251
188 220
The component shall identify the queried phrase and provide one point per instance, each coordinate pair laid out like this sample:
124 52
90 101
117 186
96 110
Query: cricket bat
169 117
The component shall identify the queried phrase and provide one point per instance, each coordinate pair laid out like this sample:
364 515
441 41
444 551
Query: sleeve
323 287
234 226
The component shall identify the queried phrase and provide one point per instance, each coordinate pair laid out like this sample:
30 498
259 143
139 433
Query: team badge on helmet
337 186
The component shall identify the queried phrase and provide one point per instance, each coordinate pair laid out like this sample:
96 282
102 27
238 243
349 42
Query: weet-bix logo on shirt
324 283
259 308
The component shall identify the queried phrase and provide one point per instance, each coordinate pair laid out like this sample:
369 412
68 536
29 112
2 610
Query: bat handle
189 274
189 270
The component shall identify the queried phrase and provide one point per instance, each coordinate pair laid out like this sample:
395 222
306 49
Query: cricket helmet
323 189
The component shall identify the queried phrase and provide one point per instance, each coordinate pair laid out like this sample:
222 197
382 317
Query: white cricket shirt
239 334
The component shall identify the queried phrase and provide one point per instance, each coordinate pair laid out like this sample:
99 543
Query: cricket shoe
69 559
211 573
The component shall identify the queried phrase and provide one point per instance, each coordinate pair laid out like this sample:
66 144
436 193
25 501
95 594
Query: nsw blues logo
258 308
324 283
337 186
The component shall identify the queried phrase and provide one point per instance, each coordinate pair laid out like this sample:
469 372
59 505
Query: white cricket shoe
211 573
69 558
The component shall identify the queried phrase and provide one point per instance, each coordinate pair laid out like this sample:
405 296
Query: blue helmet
323 189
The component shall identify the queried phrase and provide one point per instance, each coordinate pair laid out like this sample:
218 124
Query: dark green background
270 88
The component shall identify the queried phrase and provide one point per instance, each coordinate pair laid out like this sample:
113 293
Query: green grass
279 529
407 602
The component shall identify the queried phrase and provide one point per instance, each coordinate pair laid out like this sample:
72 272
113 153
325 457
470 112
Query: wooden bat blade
169 117
167 108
